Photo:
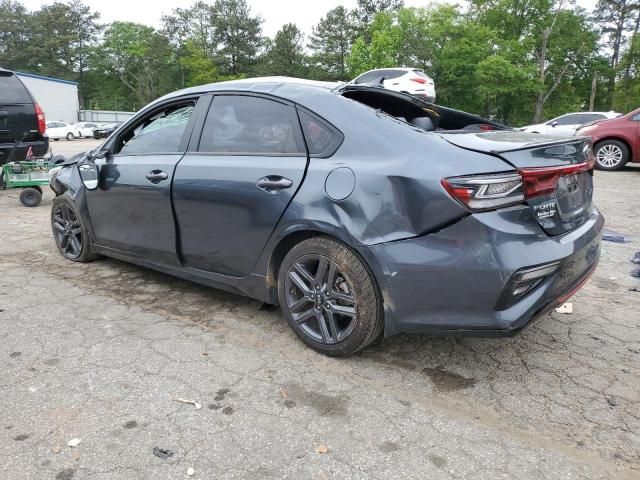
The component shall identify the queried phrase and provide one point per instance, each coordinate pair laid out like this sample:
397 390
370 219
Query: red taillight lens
485 192
419 80
542 181
42 125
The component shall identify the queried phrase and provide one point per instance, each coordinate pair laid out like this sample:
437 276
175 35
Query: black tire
30 197
70 136
611 155
69 231
39 188
56 139
337 309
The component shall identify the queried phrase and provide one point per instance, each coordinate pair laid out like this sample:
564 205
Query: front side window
159 133
250 125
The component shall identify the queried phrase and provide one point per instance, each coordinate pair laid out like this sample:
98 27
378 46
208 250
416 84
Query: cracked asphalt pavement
102 352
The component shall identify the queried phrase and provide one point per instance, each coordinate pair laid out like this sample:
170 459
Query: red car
615 141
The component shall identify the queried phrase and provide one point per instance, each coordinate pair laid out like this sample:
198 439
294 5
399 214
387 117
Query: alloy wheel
320 299
67 231
609 155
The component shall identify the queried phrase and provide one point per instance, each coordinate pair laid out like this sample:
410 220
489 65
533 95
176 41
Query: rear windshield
420 73
12 90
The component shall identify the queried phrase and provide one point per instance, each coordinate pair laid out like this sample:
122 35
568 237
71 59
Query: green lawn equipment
30 175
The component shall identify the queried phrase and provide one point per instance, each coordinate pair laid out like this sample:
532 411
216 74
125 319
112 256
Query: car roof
258 84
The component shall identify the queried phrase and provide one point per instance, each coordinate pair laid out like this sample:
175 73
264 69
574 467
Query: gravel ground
100 352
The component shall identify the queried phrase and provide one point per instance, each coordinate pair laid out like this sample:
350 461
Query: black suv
22 122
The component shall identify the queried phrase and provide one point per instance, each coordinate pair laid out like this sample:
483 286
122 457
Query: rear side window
250 125
322 139
12 90
367 77
591 117
391 74
420 73
159 133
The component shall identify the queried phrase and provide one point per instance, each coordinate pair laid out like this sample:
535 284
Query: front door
230 192
131 210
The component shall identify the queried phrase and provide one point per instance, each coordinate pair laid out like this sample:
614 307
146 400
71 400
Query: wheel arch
618 139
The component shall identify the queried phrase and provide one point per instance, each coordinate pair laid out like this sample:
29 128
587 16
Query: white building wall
57 98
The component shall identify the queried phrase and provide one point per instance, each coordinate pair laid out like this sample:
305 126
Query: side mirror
89 174
554 124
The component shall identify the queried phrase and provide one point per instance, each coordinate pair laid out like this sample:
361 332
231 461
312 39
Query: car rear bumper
38 149
451 282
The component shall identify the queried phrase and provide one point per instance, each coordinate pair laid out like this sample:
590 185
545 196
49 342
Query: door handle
274 183
155 176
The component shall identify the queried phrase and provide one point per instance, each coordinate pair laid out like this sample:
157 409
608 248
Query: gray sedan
359 210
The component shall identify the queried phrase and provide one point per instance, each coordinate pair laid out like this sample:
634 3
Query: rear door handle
155 176
274 183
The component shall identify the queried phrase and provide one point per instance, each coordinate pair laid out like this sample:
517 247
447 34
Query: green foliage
285 55
511 60
330 43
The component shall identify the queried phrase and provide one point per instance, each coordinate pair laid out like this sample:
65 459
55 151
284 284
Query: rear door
236 181
131 208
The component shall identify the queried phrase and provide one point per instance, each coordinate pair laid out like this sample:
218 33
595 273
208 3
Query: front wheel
611 155
329 297
69 231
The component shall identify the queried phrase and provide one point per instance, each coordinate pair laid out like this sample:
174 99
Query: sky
304 13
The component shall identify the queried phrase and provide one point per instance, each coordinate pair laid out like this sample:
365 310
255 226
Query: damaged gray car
359 211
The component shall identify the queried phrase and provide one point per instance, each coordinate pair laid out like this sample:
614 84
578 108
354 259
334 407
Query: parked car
406 80
57 130
616 141
566 125
22 120
341 203
85 129
103 131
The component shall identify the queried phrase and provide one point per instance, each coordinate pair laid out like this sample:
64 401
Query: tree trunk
617 39
634 39
542 73
592 97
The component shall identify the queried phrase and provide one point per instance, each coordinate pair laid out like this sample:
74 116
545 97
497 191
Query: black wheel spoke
331 276
296 306
298 282
305 316
323 263
343 297
342 310
324 331
304 273
58 226
333 327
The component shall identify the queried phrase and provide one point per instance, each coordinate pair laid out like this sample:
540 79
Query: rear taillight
42 125
418 80
542 181
485 192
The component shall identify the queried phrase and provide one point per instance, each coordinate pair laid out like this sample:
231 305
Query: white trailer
57 98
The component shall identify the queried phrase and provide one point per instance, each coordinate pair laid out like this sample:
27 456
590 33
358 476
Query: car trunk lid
557 174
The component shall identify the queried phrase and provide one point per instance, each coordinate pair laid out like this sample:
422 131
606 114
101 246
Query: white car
406 80
566 125
85 129
58 130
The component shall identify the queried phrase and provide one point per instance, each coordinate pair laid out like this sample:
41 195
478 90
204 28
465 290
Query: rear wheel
30 197
329 297
611 155
70 136
69 232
